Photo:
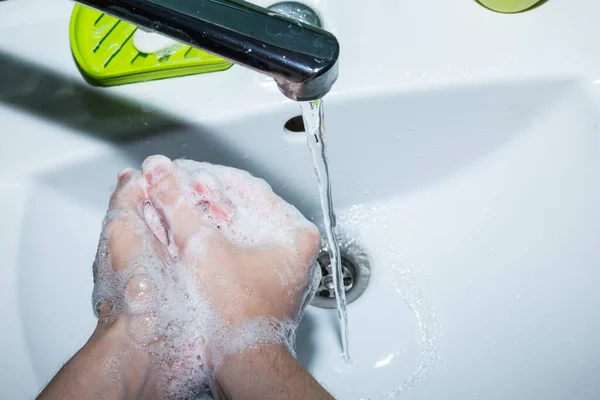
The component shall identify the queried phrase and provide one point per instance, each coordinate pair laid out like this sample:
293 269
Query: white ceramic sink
476 196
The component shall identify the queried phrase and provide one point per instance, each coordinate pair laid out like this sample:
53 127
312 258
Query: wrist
122 363
240 374
269 372
108 366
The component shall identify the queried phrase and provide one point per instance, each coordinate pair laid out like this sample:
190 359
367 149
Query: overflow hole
295 124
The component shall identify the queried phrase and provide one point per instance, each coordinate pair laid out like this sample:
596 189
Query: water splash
410 283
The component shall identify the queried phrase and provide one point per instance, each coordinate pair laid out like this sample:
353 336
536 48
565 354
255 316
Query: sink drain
356 271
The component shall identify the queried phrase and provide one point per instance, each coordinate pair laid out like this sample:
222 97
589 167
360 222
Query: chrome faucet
302 59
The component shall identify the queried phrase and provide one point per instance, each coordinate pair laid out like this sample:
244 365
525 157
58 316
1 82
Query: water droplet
245 156
426 176
418 155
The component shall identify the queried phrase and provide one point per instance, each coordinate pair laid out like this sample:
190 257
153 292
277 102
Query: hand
246 270
185 233
112 365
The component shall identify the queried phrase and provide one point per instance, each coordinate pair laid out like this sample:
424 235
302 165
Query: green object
103 48
509 6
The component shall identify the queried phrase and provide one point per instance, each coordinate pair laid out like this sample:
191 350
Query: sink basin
476 205
471 185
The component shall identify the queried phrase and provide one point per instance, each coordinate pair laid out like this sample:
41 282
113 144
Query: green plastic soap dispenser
510 6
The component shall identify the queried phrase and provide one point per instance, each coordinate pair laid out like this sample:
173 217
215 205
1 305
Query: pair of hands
184 221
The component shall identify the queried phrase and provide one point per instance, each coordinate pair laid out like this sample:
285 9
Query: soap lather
302 59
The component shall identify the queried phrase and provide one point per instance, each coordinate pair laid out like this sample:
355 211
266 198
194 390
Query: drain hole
295 124
324 271
356 272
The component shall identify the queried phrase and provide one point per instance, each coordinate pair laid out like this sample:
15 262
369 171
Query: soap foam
164 310
257 212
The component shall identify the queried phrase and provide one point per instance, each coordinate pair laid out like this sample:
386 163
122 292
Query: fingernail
124 175
156 168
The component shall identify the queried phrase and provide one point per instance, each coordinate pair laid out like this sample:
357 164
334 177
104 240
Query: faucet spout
302 59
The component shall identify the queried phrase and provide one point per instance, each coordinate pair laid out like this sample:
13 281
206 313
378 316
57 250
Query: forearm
267 373
105 368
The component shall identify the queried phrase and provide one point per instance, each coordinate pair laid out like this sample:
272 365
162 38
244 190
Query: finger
308 242
253 192
130 192
128 235
171 200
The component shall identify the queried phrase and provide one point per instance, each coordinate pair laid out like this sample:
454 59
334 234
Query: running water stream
312 112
